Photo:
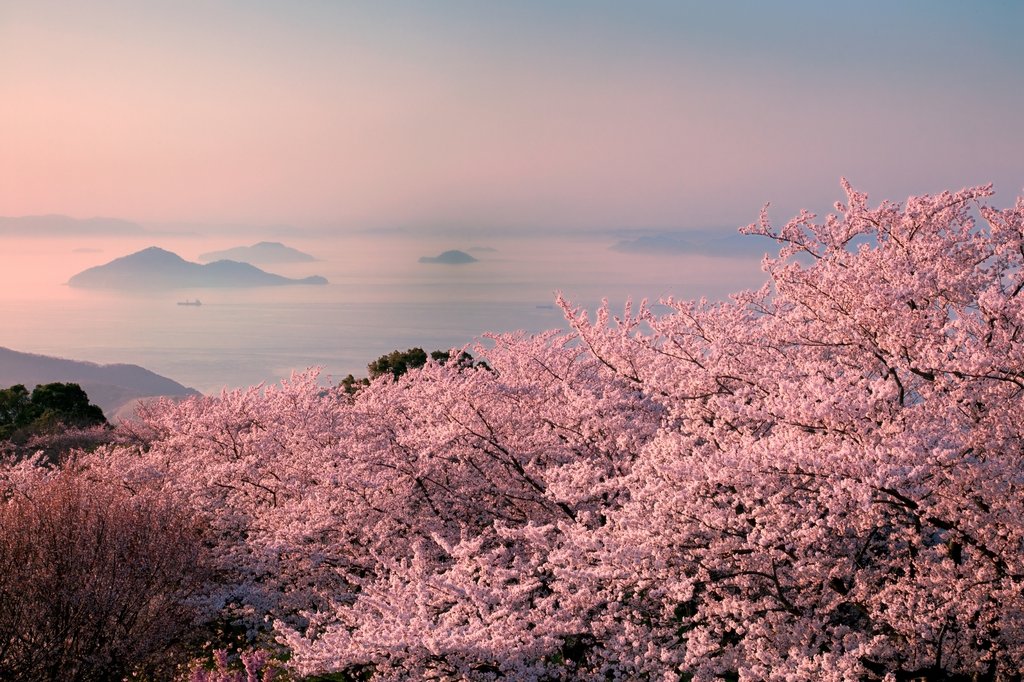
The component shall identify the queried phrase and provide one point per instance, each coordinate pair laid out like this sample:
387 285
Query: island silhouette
453 257
262 252
155 268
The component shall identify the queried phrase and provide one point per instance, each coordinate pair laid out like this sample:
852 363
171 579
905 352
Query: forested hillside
819 480
112 387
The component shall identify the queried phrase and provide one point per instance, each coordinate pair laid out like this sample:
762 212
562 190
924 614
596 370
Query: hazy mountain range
718 243
65 226
155 268
115 388
263 252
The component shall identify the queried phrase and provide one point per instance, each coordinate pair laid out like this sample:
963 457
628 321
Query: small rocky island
263 252
450 258
154 268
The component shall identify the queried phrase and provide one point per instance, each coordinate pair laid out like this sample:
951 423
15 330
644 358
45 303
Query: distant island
714 243
115 388
155 268
65 226
263 252
449 258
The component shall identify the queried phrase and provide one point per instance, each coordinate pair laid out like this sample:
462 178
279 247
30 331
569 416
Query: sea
379 298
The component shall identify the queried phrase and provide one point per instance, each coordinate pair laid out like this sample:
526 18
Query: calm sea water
379 299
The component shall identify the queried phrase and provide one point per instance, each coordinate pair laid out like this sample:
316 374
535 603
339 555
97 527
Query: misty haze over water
379 298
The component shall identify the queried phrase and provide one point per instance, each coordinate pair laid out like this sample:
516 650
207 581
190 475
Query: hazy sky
519 114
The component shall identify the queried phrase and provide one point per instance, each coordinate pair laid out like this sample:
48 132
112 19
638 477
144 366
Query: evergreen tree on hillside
47 408
397 362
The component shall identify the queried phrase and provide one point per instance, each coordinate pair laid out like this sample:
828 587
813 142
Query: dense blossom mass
819 480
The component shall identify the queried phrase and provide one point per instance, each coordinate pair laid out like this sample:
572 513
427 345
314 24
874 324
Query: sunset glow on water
379 299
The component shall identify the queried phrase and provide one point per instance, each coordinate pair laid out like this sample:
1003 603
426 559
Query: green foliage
16 409
68 404
351 384
396 363
48 408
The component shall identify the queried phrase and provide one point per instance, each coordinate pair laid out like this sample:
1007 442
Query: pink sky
393 114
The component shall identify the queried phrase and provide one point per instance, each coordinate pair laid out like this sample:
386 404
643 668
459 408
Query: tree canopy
47 407
396 363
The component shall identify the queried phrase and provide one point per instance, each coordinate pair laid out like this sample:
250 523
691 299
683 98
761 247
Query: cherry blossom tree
255 667
94 583
836 493
818 480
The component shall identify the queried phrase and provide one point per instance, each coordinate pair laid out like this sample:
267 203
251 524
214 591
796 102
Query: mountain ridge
114 387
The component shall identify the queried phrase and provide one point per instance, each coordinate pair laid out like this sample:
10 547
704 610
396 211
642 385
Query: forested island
822 479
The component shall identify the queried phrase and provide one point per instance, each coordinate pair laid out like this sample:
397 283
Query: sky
527 115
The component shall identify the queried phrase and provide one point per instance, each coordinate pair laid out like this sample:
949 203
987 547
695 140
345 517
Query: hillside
112 387
155 268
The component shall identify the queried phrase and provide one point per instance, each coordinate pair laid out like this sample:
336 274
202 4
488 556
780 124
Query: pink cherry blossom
822 479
